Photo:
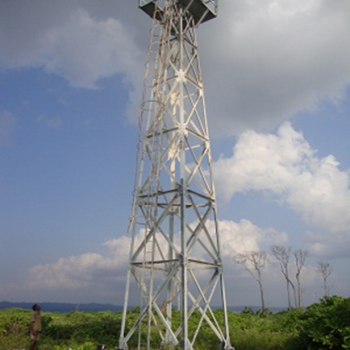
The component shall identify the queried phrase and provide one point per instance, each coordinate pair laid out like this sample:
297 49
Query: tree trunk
262 296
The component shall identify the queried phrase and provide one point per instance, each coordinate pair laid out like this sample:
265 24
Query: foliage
85 346
77 330
325 325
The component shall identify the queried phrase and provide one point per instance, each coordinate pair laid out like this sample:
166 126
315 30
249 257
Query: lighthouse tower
175 272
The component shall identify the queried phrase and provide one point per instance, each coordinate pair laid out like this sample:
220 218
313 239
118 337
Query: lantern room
201 10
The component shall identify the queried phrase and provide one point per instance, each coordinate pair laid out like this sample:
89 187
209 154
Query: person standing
35 326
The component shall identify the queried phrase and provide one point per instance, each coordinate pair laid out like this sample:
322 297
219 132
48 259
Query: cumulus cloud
67 41
101 277
93 271
328 245
7 126
263 61
286 166
243 236
82 271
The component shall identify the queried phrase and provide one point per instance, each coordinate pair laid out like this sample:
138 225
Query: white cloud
72 272
7 127
98 277
286 166
76 272
245 236
67 41
92 270
328 245
86 50
262 60
266 60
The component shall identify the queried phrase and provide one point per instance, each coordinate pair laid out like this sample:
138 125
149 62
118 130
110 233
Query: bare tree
254 262
282 254
325 269
300 258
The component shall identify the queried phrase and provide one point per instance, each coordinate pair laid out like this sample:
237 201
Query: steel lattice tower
175 259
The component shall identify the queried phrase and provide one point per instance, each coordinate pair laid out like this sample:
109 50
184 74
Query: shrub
326 325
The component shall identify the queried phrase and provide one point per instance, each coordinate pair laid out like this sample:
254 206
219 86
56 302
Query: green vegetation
326 325
321 326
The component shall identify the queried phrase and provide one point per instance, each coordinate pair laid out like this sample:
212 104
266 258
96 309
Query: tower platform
201 10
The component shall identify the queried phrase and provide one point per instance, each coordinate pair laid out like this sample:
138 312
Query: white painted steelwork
201 10
175 258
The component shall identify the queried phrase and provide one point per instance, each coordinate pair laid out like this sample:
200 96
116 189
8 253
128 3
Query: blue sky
276 77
